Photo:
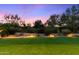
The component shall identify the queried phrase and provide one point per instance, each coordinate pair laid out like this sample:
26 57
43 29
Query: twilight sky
32 12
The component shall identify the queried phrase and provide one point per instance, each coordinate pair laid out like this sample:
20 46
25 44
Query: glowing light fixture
70 35
30 36
1 30
51 35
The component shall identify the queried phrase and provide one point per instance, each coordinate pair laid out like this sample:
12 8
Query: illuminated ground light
1 30
51 35
11 36
70 35
30 36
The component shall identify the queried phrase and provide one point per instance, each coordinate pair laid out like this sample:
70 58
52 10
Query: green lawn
40 46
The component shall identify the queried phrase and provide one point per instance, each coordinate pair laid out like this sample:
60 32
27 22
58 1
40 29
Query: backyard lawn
39 46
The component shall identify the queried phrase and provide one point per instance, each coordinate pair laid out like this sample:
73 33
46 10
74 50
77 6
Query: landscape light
30 36
51 35
11 36
70 35
1 30
56 25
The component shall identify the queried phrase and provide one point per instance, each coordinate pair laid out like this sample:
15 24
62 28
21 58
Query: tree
68 12
10 28
39 26
74 12
52 20
68 16
71 15
28 28
55 22
12 18
63 18
48 30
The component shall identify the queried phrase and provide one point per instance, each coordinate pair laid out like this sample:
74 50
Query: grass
39 46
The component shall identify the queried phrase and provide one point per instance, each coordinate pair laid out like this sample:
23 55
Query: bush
4 33
12 30
48 30
66 31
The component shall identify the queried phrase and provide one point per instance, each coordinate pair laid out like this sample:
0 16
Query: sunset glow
31 12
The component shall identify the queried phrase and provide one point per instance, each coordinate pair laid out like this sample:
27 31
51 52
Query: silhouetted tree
12 18
74 12
52 20
38 25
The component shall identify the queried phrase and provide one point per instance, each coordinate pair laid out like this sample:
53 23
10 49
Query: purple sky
32 12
